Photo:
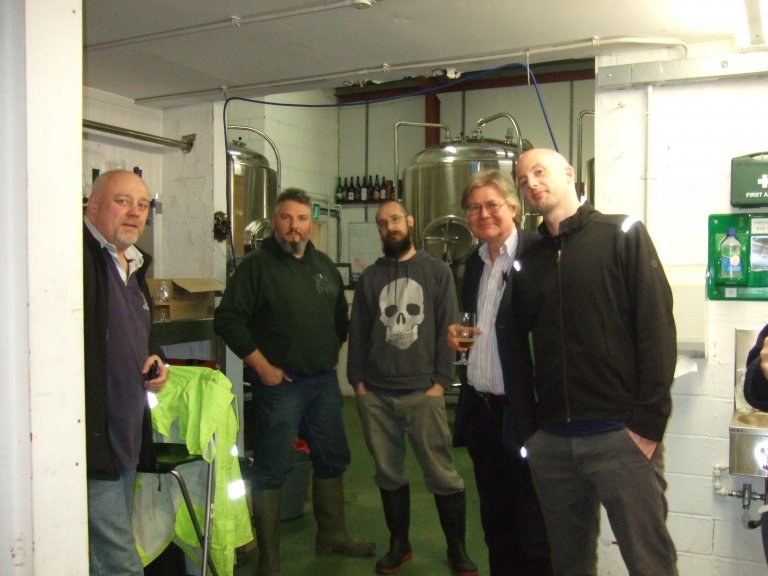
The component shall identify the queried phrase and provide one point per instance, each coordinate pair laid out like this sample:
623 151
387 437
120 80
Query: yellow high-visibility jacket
195 403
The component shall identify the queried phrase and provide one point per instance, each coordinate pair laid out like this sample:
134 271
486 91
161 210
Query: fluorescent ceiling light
747 18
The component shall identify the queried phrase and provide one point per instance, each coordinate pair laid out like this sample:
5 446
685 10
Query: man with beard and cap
400 365
284 313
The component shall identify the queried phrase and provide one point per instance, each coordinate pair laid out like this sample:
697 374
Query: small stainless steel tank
254 190
434 182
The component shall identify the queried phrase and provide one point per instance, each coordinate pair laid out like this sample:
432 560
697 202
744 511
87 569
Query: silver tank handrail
482 122
269 141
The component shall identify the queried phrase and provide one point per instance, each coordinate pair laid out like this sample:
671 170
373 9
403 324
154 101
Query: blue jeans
387 419
112 548
308 407
574 475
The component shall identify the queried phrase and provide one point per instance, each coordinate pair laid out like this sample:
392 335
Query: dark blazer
100 462
518 421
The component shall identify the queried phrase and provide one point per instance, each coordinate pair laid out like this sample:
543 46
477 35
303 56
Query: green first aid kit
738 256
749 180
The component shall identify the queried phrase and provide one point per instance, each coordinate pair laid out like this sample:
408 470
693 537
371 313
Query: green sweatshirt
292 309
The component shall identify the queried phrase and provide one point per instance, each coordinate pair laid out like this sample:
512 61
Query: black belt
489 400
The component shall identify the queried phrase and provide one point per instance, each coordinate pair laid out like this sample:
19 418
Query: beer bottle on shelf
376 189
364 191
339 191
357 189
351 189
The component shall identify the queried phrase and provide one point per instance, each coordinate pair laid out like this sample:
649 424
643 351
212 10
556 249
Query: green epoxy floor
365 518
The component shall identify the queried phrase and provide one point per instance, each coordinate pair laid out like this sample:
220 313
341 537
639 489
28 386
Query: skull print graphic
401 307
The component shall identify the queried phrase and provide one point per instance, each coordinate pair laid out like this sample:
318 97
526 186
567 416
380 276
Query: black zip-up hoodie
598 307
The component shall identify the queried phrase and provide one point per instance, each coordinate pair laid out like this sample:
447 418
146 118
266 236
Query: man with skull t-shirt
400 364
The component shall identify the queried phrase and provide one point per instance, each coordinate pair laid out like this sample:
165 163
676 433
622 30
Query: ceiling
169 52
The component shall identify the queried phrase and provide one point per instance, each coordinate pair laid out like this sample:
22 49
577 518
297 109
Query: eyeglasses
490 207
394 220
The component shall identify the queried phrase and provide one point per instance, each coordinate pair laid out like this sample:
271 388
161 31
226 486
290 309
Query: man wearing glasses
400 365
486 422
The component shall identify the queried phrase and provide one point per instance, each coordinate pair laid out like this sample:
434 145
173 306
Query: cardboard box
190 297
749 180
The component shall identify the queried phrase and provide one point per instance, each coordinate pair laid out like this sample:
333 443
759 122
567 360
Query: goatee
293 248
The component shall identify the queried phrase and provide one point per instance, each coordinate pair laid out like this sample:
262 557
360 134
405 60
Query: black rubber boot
452 511
266 520
332 535
397 512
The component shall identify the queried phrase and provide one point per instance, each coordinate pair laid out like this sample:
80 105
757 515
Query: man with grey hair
285 314
492 428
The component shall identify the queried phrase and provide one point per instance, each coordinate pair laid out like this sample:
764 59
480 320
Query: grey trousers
387 420
574 475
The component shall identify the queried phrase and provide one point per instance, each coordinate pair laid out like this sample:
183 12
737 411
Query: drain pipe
580 157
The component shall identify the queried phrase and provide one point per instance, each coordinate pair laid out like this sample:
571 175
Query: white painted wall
16 533
42 488
664 155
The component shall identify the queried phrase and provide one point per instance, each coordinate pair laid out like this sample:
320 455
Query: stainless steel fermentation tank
253 187
434 182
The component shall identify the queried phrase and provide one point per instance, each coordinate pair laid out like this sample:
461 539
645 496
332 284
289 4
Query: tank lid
238 150
462 149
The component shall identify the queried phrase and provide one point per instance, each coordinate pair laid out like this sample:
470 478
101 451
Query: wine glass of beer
466 335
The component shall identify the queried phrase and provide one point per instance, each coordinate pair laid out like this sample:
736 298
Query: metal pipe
483 121
185 144
558 49
421 125
231 22
579 160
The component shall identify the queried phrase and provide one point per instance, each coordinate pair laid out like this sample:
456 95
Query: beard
125 240
293 248
394 248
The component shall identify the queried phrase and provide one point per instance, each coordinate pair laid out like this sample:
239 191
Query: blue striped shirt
484 370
